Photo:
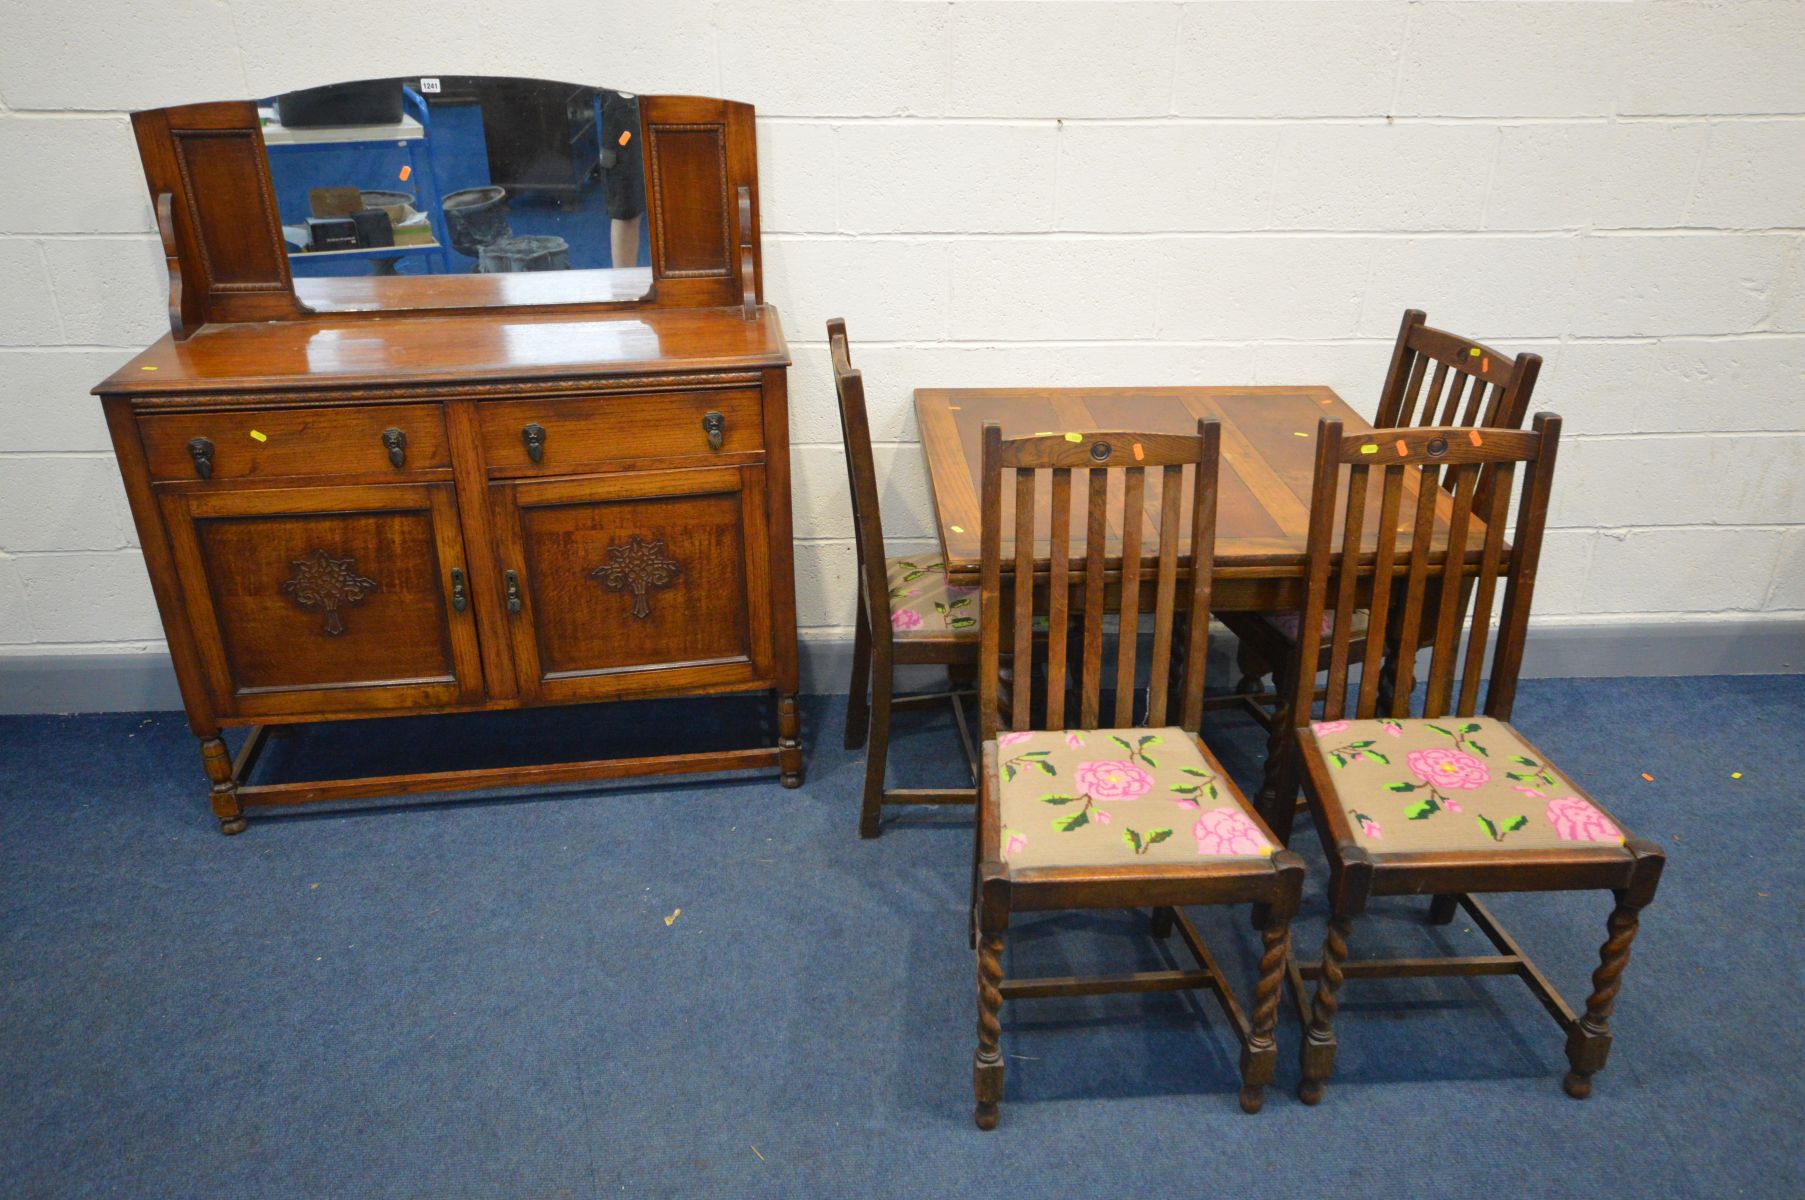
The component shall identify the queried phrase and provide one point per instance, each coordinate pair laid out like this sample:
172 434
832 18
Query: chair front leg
1260 1053
877 749
1589 1041
1319 1036
987 1063
858 706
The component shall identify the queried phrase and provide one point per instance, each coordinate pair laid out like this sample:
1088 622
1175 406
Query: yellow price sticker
259 436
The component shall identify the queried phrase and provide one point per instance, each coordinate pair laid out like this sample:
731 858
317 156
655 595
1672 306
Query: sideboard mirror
448 192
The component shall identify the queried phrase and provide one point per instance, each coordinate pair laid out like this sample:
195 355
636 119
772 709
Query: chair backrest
1116 467
1407 461
861 473
1457 392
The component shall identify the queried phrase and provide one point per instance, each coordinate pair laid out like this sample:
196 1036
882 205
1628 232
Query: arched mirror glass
387 188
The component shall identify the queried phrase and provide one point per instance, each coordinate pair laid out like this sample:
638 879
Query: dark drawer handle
459 601
714 425
395 442
512 580
201 451
534 437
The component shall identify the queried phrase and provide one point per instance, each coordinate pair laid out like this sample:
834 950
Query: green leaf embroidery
1008 772
1147 760
1067 824
1439 729
1152 739
1156 836
962 602
1525 761
1122 742
1422 810
1491 829
1194 771
1046 766
1360 745
963 622
1056 799
1382 758
1034 753
1515 823
1469 727
1476 746
1133 839
1402 787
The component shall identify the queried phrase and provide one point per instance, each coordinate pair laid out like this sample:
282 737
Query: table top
1268 458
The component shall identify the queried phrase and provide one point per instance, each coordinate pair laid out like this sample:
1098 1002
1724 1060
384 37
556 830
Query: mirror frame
207 167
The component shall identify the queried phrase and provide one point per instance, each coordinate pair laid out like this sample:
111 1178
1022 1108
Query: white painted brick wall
1063 193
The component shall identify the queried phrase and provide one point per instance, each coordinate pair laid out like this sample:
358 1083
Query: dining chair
1454 801
907 614
1099 812
1468 383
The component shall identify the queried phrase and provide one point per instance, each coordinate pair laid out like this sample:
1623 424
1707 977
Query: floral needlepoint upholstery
1118 798
923 605
1287 622
1453 783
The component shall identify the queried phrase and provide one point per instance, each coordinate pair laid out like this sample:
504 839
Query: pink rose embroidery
1370 828
1448 768
1322 728
1014 843
1451 804
1014 737
1578 820
1228 831
1392 728
1099 816
905 618
1073 741
1111 780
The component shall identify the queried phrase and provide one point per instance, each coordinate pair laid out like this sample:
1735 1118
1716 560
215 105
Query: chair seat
922 605
1468 784
1284 622
1119 798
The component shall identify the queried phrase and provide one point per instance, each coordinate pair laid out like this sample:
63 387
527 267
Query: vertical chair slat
1402 359
1447 643
1203 557
1476 402
1406 411
1022 705
1461 382
1096 529
1341 637
1432 398
990 585
1385 556
1410 628
1171 498
1128 624
1059 582
1486 586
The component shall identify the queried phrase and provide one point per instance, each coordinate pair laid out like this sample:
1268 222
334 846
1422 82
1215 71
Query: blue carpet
486 999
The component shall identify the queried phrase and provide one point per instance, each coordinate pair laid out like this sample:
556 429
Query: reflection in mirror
381 184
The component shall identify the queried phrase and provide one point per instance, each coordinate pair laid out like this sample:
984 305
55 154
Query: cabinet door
327 600
636 582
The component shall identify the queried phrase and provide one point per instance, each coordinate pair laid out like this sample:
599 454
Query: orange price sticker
625 136
407 170
1403 449
1473 437
1139 453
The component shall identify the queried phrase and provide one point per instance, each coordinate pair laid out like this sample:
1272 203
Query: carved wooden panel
336 593
636 582
689 185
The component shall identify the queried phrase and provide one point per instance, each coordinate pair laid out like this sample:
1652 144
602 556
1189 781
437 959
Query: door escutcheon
459 600
534 437
714 425
512 581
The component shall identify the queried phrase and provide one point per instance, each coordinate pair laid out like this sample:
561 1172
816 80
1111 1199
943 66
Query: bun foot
985 1114
1310 1091
232 826
1253 1099
1576 1085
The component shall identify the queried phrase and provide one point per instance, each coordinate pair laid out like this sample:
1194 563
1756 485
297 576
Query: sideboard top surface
482 344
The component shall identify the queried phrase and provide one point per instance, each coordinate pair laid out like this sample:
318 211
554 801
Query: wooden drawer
274 443
598 432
